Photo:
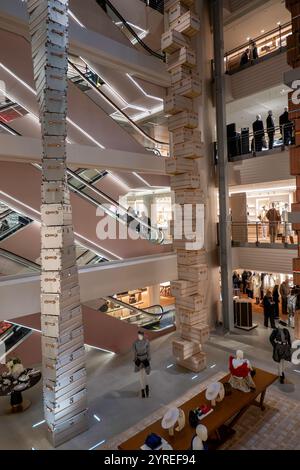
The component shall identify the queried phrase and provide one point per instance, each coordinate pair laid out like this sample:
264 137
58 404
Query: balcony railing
268 44
263 233
157 5
249 144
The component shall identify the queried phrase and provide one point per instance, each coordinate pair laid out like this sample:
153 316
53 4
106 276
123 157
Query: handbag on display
153 441
194 418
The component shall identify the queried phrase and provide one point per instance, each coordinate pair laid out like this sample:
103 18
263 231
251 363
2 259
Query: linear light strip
142 90
34 92
74 17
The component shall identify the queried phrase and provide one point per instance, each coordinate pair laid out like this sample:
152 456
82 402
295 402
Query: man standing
274 218
284 292
286 127
270 129
258 133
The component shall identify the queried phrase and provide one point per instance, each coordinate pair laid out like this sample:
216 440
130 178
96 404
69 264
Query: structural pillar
224 220
154 294
182 24
293 59
63 353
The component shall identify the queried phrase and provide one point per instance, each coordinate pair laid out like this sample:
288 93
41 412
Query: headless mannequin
201 436
270 129
258 133
274 218
279 335
141 348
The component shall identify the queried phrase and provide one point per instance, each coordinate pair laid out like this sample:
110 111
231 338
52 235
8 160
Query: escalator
11 336
89 82
132 32
98 198
149 317
11 222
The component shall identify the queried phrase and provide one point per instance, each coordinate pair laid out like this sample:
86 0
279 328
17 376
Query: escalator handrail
131 30
132 307
106 98
5 214
6 126
19 259
111 200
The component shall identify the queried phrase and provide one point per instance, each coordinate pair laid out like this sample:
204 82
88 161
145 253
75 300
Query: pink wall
25 242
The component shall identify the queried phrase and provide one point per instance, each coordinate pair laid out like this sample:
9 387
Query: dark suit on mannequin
286 127
270 129
258 134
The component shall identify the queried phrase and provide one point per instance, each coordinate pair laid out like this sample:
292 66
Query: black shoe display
143 394
147 390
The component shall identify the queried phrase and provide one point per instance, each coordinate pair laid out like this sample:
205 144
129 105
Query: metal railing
127 28
268 44
254 143
260 233
157 5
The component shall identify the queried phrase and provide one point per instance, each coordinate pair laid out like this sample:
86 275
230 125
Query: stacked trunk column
293 59
64 375
190 289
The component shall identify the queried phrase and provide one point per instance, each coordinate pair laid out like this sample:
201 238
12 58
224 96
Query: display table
14 391
243 314
226 412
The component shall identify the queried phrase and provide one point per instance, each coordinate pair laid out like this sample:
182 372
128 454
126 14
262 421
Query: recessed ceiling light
278 22
248 39
262 31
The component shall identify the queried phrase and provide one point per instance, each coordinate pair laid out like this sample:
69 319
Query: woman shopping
268 309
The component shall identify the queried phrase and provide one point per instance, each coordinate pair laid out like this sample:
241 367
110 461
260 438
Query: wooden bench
219 423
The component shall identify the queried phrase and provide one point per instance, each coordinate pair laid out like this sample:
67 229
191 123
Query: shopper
254 51
274 219
276 301
244 280
244 58
270 129
284 292
268 309
250 287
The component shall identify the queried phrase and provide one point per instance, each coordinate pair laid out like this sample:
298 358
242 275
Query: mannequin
270 129
281 341
240 369
274 218
200 438
284 291
263 219
286 126
287 227
141 349
257 287
258 133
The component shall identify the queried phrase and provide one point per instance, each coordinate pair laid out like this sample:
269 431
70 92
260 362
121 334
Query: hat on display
213 391
170 418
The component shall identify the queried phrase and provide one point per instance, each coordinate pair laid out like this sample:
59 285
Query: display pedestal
243 314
